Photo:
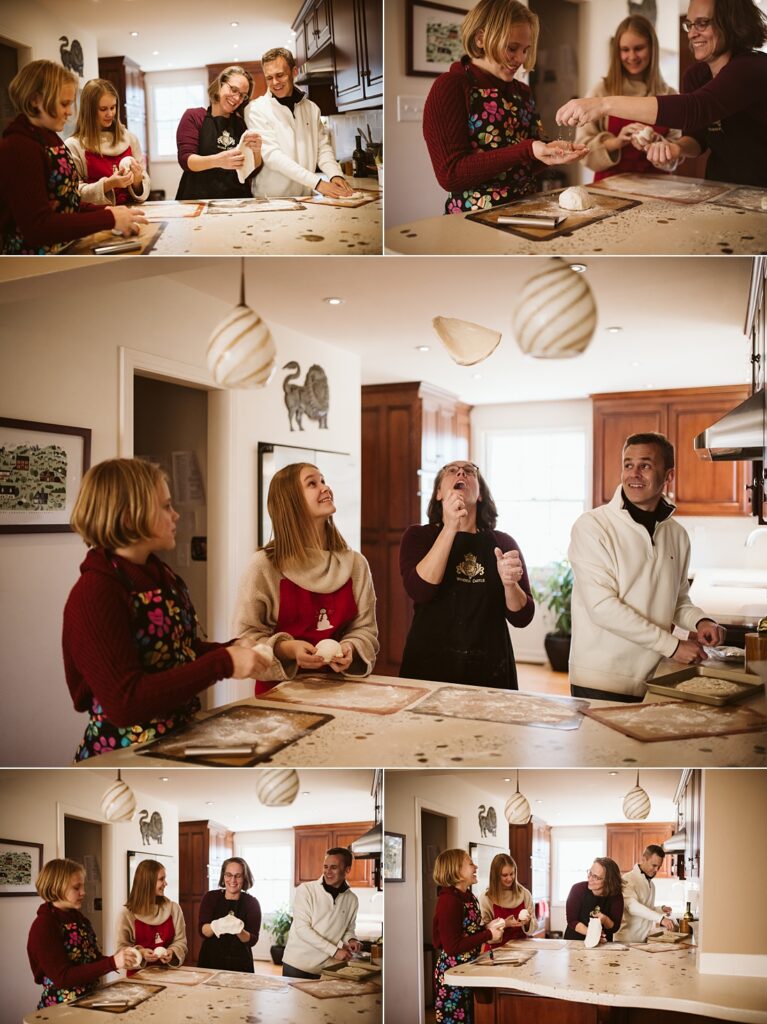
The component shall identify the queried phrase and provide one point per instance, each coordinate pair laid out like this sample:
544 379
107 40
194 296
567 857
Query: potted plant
555 591
278 925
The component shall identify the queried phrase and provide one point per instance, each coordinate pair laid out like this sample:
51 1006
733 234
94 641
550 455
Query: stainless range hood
369 845
740 435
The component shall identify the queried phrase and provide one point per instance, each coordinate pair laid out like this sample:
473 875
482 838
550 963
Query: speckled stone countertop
654 227
407 739
178 1004
627 977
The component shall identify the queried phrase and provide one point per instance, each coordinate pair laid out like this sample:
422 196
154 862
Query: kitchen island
605 985
407 738
317 229
176 1004
652 227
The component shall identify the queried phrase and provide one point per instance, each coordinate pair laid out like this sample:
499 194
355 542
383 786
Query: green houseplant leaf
554 589
278 925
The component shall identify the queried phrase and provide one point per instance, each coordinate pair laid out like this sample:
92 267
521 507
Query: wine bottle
359 160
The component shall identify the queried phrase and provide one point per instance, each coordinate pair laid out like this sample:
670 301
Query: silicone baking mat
548 203
505 706
335 988
346 694
678 720
123 995
148 237
663 186
359 197
252 982
172 210
514 957
254 205
744 198
660 947
170 975
267 729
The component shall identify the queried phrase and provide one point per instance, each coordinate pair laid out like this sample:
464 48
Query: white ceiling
682 317
187 33
583 796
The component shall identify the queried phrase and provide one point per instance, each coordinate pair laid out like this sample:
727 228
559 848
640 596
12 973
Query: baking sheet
170 975
371 972
346 694
329 988
255 205
660 947
359 197
172 210
150 233
134 993
269 729
678 720
744 197
748 685
508 957
506 706
672 187
548 203
251 982
525 944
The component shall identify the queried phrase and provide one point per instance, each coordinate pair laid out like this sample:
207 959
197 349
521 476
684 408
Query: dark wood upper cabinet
627 842
203 846
313 841
128 79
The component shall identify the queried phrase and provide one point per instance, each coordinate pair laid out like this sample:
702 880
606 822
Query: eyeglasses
232 878
597 878
235 92
468 468
699 24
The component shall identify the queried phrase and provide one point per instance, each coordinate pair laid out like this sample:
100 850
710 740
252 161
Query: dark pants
589 694
293 972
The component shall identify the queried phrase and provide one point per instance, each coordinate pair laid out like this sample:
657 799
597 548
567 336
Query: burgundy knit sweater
101 659
24 202
445 128
447 930
48 958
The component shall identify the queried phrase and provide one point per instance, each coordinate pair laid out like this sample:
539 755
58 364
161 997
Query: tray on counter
547 203
678 720
371 972
744 684
673 188
124 995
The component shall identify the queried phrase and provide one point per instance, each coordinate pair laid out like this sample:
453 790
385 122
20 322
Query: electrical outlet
410 108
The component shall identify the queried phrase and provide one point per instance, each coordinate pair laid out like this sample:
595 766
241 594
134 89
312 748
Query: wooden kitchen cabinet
700 488
409 431
627 842
358 52
128 79
530 846
314 29
689 801
253 67
203 846
313 841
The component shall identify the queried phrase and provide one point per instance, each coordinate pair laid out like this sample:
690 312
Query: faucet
754 535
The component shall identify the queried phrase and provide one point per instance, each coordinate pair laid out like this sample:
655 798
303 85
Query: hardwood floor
267 967
541 679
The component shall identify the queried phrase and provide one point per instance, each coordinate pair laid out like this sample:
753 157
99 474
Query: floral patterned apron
455 1005
63 197
164 625
495 121
81 947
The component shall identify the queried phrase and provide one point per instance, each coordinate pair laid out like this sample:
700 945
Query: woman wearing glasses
723 106
601 895
230 920
467 580
208 140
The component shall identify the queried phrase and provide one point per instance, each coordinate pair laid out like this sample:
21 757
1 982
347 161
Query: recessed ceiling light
333 300
612 773
477 376
208 803
423 348
236 46
507 780
306 792
134 34
164 778
579 268
539 801
234 24
614 330
155 53
636 363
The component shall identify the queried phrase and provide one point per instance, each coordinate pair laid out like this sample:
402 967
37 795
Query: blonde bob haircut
37 87
53 881
143 898
495 887
616 74
293 528
117 503
87 128
214 89
495 20
447 867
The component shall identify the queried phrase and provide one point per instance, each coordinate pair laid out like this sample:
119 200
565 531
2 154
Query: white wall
28 27
46 328
32 809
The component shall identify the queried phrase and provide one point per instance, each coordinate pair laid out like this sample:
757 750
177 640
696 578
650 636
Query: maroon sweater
726 114
101 659
447 930
445 128
48 958
24 202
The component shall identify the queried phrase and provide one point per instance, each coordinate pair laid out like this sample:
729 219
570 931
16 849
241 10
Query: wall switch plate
410 108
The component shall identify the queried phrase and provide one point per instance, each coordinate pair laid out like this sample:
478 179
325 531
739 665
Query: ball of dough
646 135
523 915
124 164
160 950
575 198
133 958
764 202
265 651
328 649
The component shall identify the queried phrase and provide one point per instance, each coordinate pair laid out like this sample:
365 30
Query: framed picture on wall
394 857
433 37
482 855
41 468
136 856
20 864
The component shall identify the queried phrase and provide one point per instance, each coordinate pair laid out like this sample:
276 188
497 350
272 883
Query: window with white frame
573 859
538 480
272 869
168 104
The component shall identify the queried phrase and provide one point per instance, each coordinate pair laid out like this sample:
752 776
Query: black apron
217 134
227 953
461 636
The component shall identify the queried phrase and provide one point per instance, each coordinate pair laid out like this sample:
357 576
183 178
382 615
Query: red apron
632 161
103 167
508 933
150 936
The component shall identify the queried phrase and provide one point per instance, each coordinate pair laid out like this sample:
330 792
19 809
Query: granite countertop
407 739
624 977
654 227
178 1004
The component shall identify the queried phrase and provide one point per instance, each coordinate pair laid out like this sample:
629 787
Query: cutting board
346 694
678 720
673 188
548 203
148 237
334 988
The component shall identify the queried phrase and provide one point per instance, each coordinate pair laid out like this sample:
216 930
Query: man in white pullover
640 915
630 563
298 158
324 915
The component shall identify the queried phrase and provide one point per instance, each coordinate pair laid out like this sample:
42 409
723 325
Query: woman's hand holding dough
300 651
340 664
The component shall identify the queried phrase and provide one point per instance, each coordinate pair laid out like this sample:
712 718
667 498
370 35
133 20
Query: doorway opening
83 843
434 840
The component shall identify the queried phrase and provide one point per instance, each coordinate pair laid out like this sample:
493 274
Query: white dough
575 198
646 135
124 164
160 950
265 651
133 957
328 649
764 202
523 915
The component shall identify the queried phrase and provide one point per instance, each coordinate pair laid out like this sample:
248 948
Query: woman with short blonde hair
132 656
107 156
506 897
150 922
62 947
307 585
